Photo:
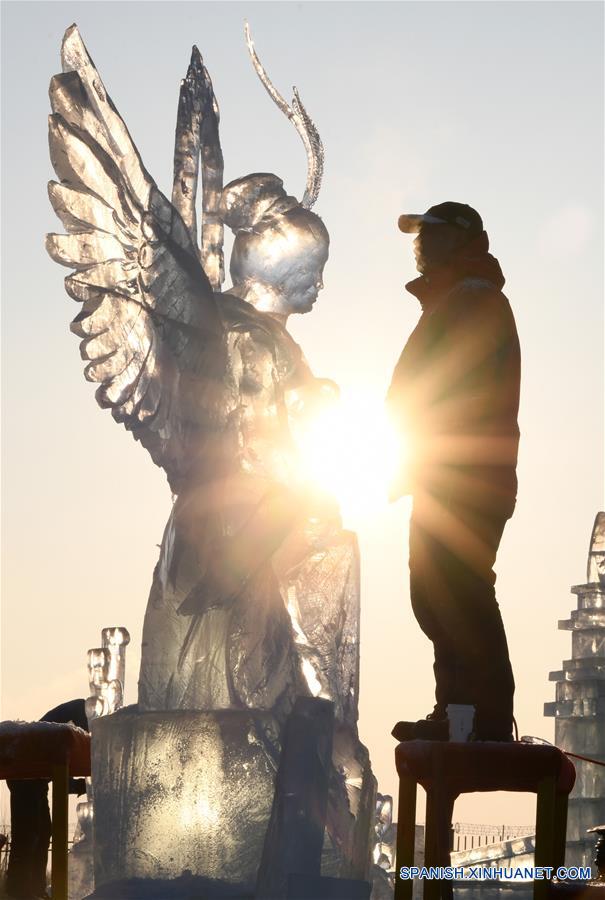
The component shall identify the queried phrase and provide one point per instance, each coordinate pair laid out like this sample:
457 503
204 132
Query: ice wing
197 137
149 319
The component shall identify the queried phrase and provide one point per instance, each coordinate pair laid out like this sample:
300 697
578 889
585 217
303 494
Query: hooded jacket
455 389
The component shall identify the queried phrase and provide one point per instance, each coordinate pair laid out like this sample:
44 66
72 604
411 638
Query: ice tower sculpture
253 617
579 709
106 680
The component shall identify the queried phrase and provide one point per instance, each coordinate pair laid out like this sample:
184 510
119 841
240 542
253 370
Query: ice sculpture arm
148 314
294 520
239 558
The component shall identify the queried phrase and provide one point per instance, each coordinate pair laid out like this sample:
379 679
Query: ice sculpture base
182 794
80 870
302 887
183 888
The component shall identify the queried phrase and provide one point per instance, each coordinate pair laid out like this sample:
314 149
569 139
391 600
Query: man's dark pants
455 531
30 838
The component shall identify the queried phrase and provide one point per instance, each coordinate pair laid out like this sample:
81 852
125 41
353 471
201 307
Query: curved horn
303 123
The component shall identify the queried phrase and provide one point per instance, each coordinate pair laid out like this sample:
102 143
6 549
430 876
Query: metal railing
4 845
5 848
464 836
467 836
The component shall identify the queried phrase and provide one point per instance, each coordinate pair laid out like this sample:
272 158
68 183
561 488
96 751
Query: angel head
280 247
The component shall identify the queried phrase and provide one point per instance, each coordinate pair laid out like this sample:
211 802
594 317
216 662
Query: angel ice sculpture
255 595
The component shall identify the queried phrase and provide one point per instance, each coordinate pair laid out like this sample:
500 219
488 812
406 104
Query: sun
351 450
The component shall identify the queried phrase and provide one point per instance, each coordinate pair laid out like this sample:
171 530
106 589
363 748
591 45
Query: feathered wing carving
151 331
197 136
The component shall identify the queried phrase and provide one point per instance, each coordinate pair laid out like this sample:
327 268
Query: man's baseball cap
460 215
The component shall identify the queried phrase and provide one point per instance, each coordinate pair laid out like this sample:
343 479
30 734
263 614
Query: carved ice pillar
106 678
579 708
323 598
115 641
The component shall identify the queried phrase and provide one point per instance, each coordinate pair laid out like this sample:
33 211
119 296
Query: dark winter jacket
455 389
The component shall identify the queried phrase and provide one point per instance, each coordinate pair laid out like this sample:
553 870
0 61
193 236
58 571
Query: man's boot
435 727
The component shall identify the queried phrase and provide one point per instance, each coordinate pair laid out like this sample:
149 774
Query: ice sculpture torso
239 654
295 629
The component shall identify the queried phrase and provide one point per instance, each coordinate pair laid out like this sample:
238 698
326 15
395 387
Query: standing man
30 818
455 397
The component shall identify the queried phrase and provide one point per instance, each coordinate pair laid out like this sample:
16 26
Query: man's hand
77 786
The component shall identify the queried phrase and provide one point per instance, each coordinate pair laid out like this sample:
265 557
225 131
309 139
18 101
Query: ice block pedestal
181 794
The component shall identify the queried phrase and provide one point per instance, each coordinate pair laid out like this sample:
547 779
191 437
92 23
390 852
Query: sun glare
351 451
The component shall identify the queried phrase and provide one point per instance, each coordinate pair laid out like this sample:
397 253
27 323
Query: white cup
461 717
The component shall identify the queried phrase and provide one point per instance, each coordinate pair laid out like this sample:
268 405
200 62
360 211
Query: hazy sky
496 104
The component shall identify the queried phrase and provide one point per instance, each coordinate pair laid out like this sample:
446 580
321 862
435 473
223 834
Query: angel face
280 266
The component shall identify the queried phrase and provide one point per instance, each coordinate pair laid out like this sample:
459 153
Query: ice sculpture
106 679
295 834
595 573
255 597
384 852
386 832
106 672
579 707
